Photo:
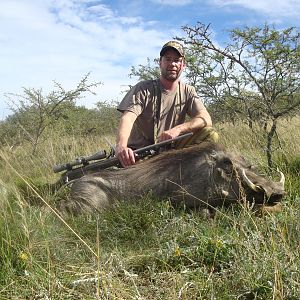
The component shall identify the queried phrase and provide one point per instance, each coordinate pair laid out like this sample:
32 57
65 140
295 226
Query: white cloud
173 2
274 8
64 40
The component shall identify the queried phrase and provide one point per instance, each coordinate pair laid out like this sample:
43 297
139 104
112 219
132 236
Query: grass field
148 250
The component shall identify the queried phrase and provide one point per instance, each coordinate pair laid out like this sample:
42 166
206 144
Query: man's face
171 65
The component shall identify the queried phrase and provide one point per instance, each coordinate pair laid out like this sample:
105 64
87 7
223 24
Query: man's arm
201 120
125 154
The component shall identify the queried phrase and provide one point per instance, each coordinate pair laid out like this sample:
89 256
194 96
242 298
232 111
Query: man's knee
206 134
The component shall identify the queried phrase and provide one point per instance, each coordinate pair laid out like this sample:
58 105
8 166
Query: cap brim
163 50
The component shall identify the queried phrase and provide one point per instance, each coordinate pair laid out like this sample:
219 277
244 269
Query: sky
47 41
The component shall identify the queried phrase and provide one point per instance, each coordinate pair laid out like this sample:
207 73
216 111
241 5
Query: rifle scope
79 161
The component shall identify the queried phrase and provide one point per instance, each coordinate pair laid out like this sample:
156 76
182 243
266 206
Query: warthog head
234 179
200 176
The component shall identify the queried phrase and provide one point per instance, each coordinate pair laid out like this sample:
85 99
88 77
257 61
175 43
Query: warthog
205 175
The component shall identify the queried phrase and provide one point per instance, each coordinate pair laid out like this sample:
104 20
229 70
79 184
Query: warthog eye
226 165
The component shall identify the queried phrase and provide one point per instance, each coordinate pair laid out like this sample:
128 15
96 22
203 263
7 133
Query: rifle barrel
163 143
98 165
101 164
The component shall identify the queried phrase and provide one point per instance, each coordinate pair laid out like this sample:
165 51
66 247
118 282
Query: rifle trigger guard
69 167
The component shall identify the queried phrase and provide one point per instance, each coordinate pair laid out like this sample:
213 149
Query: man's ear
159 62
183 63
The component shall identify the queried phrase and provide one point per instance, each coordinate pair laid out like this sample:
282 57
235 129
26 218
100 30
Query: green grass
145 250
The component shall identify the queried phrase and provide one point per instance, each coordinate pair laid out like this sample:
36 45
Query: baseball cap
172 44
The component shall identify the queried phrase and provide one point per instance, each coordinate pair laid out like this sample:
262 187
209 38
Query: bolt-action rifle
100 160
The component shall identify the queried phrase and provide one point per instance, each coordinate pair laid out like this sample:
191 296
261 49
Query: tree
257 74
34 112
147 72
108 117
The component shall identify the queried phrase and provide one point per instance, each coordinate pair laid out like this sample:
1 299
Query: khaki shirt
175 105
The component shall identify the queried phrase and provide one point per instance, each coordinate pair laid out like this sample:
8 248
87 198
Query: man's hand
169 134
125 156
123 153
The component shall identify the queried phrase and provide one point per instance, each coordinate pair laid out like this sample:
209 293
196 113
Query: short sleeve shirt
175 106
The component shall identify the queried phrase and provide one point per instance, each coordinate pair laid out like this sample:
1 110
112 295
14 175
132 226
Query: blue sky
42 41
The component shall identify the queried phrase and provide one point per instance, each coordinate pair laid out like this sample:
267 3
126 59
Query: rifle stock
101 162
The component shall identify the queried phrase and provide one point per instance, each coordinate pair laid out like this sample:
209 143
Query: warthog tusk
282 178
251 185
224 193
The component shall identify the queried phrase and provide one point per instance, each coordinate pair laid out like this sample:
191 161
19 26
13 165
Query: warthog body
200 176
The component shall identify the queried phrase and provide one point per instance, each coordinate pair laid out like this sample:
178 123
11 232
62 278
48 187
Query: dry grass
148 250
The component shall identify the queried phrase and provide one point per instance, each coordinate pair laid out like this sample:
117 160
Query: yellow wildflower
23 256
177 251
